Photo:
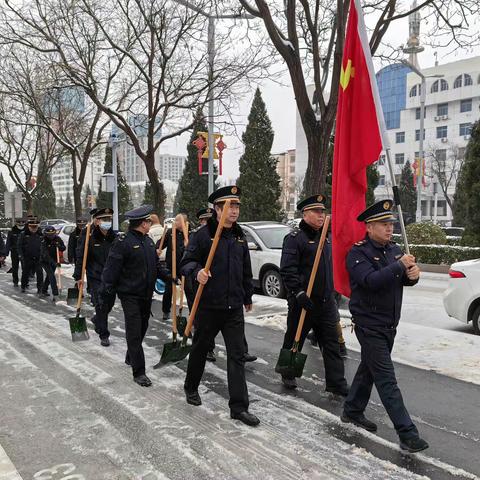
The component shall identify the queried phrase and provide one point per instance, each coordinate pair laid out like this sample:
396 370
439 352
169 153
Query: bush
443 254
426 234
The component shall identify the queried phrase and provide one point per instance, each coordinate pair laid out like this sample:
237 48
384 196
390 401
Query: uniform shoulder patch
121 236
360 243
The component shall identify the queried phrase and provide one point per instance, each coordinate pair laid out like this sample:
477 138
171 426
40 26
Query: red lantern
221 146
200 144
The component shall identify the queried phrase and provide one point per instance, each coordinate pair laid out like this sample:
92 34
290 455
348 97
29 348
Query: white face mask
105 225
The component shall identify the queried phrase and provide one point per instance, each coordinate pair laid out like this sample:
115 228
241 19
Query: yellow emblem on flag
346 74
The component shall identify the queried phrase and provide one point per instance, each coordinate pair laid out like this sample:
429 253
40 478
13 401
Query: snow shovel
177 351
78 323
72 295
181 320
59 272
291 362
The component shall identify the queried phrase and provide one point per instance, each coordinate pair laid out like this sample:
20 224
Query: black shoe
105 342
43 295
290 383
143 381
343 350
23 290
15 285
166 315
360 421
245 417
193 398
313 339
249 358
55 299
341 391
211 356
412 445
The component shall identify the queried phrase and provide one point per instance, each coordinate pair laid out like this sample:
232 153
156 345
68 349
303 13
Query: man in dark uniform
29 243
51 242
101 239
12 247
228 289
73 240
378 272
3 250
298 255
131 271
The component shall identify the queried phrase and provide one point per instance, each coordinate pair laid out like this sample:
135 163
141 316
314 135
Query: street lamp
211 61
113 142
421 154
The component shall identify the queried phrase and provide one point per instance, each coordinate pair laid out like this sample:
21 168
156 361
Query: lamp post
113 141
211 62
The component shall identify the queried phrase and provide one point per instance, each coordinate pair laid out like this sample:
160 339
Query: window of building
467 80
466 105
442 132
441 208
381 180
399 158
413 91
381 160
465 129
437 85
441 158
442 109
458 82
417 135
463 80
400 137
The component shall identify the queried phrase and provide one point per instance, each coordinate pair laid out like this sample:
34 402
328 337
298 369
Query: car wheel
272 284
476 321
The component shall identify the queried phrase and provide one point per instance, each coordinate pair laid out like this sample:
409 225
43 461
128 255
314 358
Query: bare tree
153 50
445 166
309 36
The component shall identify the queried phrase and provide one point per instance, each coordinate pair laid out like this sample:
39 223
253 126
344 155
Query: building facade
286 166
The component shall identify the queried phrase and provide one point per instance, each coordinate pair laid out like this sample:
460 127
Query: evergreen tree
192 192
148 198
467 195
61 208
259 180
44 203
124 200
408 193
372 183
68 209
3 189
86 206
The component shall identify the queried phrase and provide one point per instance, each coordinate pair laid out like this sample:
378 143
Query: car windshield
273 237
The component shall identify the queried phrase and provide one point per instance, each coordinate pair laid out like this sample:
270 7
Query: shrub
426 234
443 254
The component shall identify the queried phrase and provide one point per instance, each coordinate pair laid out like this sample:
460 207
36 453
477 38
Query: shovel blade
72 296
181 325
290 364
173 352
78 328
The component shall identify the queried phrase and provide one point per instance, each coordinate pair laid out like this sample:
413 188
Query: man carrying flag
376 270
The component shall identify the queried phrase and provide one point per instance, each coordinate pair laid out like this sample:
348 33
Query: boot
105 342
249 358
412 445
193 398
360 421
290 383
143 381
245 417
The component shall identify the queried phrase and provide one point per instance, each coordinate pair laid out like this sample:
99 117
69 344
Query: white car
462 297
63 231
265 240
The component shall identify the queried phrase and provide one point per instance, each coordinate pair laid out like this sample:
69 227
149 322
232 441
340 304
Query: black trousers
50 279
15 265
137 312
323 320
102 308
376 367
167 298
30 266
232 326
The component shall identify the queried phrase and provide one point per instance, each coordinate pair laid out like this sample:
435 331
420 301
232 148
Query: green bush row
443 254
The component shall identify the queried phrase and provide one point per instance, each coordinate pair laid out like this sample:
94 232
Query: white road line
7 468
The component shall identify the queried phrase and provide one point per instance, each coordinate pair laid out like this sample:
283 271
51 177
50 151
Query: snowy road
73 408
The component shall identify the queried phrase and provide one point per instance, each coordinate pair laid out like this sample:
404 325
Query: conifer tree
3 189
68 209
259 181
44 203
408 193
372 183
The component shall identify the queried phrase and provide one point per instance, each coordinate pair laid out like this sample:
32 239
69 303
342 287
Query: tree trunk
28 203
77 200
157 187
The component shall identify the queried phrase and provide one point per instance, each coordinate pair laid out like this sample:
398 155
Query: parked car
63 231
462 297
53 221
265 240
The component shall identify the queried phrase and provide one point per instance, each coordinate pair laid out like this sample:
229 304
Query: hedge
443 254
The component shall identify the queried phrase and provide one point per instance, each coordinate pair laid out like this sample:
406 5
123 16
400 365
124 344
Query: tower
413 43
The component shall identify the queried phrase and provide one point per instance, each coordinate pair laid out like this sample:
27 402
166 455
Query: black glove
304 301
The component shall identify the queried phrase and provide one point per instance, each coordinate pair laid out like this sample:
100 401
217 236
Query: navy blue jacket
3 248
231 285
48 250
298 255
12 240
132 266
29 244
72 245
377 278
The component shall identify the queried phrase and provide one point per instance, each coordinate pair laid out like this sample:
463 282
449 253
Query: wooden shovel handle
184 230
313 274
182 294
162 240
84 266
174 275
59 269
211 254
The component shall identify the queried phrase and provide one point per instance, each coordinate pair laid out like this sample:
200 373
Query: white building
451 106
286 166
170 167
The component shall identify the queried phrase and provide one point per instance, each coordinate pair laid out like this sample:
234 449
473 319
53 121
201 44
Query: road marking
7 468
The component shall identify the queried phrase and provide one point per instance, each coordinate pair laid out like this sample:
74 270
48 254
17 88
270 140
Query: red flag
358 143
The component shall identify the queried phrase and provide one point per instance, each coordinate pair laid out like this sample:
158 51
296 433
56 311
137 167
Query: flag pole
362 33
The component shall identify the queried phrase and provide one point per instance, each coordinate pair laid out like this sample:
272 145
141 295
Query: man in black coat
228 290
12 247
298 254
378 272
73 240
29 243
100 242
131 271
51 242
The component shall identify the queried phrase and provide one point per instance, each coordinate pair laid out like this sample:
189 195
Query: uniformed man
167 295
378 272
100 242
298 255
12 248
228 289
29 243
51 242
73 240
130 272
3 250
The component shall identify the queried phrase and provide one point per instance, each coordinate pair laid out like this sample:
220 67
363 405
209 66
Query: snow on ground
294 440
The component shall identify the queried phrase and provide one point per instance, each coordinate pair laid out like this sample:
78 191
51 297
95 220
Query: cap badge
234 190
386 206
320 198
